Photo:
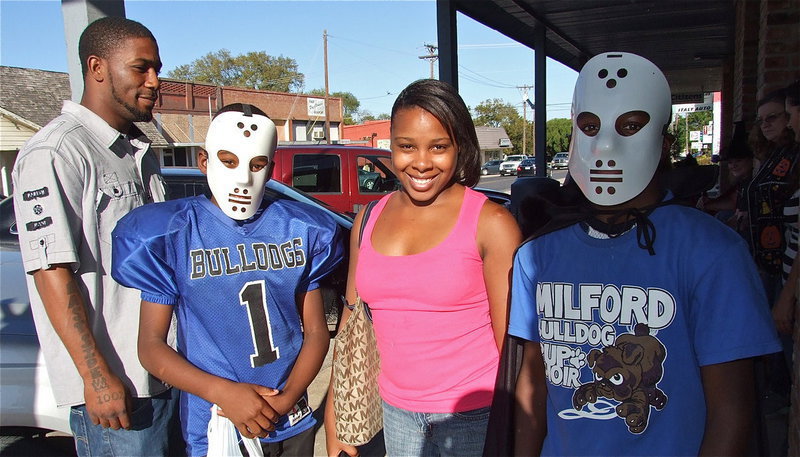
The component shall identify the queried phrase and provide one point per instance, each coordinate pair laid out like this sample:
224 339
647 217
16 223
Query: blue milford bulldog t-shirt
624 333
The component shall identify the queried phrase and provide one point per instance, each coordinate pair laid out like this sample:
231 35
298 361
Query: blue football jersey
233 286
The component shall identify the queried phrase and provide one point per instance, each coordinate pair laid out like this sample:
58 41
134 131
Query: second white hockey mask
609 167
237 189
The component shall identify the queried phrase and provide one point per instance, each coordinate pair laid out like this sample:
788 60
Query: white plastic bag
223 439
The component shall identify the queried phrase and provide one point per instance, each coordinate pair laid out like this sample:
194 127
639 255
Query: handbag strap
364 218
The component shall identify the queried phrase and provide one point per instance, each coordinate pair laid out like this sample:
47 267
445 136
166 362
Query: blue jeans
149 435
434 434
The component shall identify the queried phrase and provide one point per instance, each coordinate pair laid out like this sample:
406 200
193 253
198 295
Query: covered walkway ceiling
691 41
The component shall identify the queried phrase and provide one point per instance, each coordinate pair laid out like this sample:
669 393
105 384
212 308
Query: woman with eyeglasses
772 185
767 194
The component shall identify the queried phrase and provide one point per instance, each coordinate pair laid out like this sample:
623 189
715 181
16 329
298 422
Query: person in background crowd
766 195
72 181
770 127
772 185
784 310
252 335
434 265
739 159
642 316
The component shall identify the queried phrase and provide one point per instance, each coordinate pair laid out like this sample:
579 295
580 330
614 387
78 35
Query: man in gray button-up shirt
72 181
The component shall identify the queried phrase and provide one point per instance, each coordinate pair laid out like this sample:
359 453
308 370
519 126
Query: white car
510 164
560 160
27 400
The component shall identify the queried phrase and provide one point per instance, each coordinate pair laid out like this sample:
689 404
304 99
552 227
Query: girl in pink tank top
434 266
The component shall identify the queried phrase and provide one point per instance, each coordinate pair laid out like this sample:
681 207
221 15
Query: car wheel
484 171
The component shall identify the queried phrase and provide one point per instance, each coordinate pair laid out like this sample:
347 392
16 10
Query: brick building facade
371 133
182 114
30 98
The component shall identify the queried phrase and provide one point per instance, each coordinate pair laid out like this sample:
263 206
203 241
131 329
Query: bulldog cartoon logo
627 372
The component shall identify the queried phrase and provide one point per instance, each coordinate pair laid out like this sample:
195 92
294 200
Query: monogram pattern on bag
357 403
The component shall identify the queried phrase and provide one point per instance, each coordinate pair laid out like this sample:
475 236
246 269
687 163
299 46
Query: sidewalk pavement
317 392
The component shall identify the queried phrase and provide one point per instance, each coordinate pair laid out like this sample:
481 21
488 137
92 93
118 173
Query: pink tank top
431 317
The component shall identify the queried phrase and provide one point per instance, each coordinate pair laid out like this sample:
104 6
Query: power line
369 45
485 83
491 83
377 96
489 45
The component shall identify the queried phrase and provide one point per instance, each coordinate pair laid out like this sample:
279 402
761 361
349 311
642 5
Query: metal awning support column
540 99
77 15
448 41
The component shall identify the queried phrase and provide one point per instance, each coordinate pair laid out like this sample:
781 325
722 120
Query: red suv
345 177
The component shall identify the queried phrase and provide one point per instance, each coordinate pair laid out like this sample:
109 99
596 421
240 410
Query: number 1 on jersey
254 297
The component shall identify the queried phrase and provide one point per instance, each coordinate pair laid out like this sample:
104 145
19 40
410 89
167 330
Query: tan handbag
356 402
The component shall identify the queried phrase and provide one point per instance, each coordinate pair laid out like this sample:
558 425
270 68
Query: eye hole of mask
631 123
588 123
228 158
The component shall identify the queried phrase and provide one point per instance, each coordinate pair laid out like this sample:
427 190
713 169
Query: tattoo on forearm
78 315
98 380
105 398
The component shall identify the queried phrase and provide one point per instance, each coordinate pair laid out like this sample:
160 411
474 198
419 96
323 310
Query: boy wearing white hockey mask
241 274
631 346
620 110
238 159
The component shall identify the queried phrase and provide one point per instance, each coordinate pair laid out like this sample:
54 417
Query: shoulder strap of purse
364 218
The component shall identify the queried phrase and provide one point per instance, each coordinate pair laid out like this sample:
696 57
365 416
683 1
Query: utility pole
327 121
686 132
524 90
432 55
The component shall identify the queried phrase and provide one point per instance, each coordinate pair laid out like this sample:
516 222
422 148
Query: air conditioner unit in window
317 135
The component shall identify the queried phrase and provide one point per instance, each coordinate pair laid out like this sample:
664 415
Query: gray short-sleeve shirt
73 181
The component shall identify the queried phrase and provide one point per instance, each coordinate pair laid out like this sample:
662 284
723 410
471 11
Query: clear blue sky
373 46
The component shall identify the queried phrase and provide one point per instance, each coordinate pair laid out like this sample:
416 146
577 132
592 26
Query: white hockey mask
609 167
239 190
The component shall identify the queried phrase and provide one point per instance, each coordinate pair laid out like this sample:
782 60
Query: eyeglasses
770 118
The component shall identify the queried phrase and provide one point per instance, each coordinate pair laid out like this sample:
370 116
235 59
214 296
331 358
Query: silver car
560 160
491 167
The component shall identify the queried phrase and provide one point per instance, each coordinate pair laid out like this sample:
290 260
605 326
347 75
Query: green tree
364 116
558 135
495 113
254 70
350 103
